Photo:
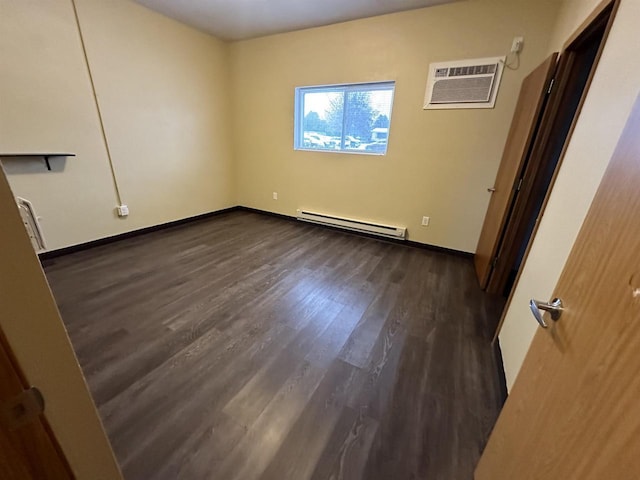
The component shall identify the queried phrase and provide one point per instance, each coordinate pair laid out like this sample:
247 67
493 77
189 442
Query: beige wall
164 95
163 92
31 323
439 163
607 106
46 104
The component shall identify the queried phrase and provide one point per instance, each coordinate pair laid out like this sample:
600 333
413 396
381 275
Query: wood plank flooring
249 347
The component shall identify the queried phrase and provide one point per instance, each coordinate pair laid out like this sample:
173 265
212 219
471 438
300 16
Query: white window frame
298 130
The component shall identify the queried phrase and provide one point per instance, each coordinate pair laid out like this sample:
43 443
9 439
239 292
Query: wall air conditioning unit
464 84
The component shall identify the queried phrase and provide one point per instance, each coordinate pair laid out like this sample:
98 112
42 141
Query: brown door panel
521 134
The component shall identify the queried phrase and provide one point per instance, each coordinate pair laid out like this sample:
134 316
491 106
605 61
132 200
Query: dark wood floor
250 347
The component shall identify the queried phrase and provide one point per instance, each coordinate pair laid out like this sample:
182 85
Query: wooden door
34 347
28 451
574 411
575 69
521 135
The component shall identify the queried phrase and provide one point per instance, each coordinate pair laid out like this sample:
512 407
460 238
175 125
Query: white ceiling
241 19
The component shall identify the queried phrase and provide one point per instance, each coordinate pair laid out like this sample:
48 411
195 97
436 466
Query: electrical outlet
425 221
518 43
275 195
123 211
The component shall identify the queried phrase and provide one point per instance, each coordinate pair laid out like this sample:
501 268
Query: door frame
569 52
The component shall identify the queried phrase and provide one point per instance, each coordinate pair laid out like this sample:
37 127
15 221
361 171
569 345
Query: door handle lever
554 307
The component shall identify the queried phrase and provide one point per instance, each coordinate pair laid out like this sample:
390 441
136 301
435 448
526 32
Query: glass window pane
322 122
358 120
372 112
353 118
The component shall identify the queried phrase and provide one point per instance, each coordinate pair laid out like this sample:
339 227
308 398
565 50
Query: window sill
348 152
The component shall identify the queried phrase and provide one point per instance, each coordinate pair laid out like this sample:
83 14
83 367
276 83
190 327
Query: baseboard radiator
32 224
353 225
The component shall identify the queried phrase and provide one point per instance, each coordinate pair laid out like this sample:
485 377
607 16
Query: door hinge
519 185
494 262
553 81
22 408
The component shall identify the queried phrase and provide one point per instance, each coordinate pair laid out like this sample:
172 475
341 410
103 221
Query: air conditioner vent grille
464 84
472 70
476 89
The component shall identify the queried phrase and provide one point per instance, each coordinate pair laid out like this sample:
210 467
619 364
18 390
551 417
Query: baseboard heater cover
353 225
31 224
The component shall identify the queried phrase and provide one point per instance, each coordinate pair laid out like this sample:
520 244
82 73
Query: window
344 118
